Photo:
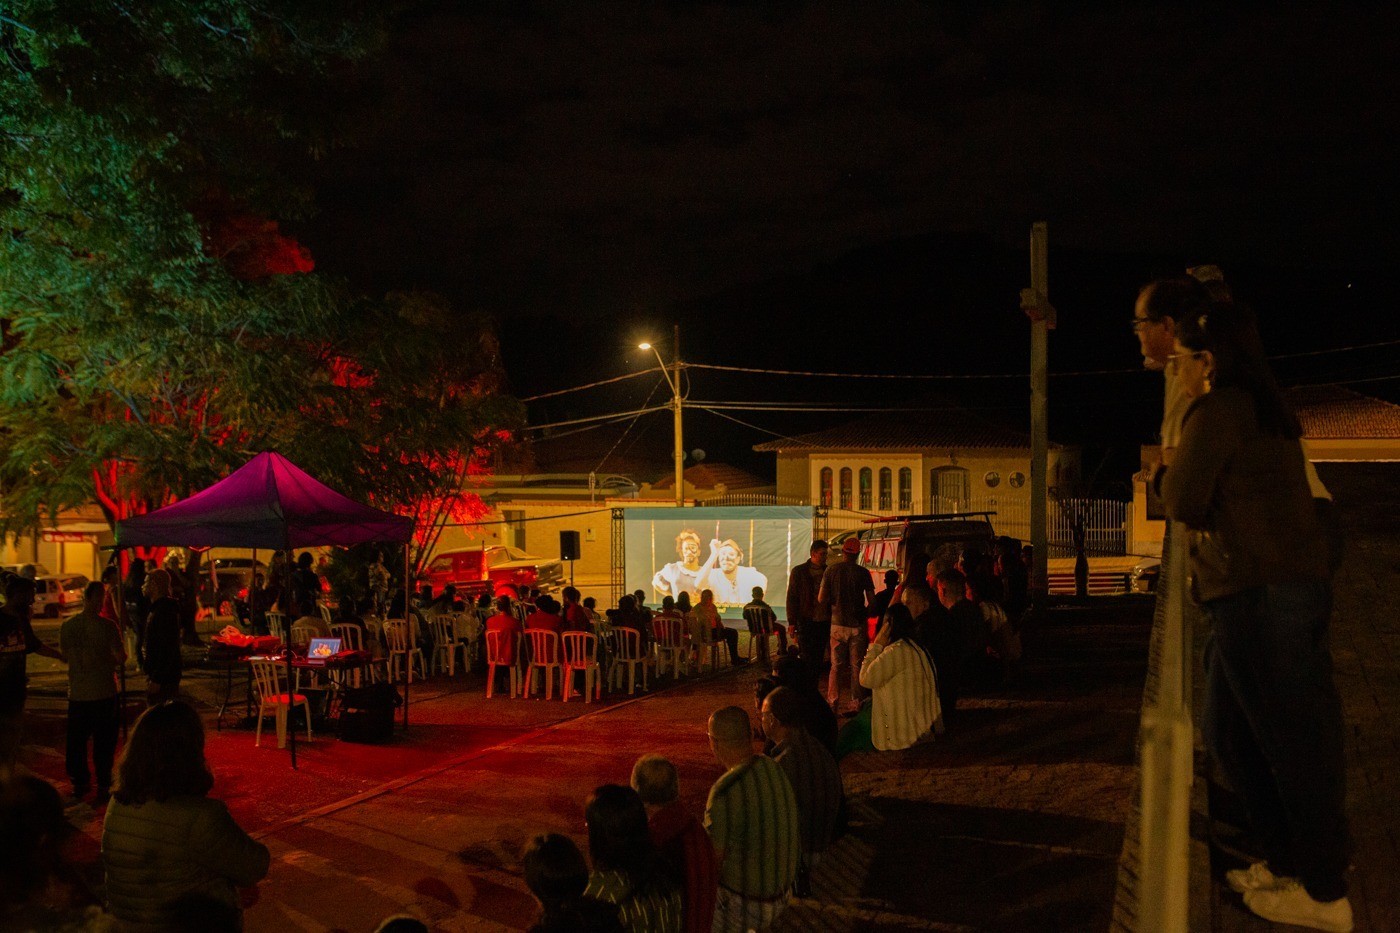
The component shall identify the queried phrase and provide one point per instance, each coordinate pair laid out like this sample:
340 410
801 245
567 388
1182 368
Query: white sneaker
1292 904
1256 877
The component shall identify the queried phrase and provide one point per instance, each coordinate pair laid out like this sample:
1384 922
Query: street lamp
675 384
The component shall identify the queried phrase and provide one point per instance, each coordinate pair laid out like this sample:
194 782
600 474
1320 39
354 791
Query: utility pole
674 382
680 447
1035 301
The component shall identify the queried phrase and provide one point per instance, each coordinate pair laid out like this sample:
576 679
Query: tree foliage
157 327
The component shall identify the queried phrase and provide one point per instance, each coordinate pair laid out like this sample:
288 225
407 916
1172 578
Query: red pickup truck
488 569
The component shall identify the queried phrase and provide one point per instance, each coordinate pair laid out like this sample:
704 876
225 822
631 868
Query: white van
59 593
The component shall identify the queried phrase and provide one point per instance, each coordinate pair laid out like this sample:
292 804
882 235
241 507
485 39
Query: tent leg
408 658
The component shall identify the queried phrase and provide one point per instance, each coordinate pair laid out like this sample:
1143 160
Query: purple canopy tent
268 503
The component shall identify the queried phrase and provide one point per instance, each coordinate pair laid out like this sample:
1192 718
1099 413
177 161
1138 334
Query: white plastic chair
544 656
495 658
626 650
445 645
705 644
326 614
396 633
302 633
267 675
277 625
581 654
466 627
668 640
352 639
755 639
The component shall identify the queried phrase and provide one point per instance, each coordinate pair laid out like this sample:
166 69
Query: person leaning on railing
1259 569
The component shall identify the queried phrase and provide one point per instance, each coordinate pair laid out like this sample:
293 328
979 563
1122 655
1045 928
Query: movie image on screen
728 550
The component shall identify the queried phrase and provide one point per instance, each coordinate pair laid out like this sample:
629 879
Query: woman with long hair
165 844
900 677
1259 569
626 871
556 874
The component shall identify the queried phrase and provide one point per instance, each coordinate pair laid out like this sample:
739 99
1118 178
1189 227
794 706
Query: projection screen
728 550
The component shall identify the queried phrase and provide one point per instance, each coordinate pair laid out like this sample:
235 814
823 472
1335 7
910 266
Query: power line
1359 346
616 415
521 521
630 424
933 376
720 414
590 385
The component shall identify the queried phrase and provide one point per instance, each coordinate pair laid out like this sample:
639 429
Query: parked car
59 593
488 569
225 584
1143 577
890 544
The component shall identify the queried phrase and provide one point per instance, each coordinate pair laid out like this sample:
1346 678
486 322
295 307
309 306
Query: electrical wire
659 383
617 415
920 376
521 521
590 385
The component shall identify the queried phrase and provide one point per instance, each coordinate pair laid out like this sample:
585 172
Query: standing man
808 619
17 641
753 821
847 593
93 646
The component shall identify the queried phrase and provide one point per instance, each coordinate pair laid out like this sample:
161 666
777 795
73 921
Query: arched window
826 487
906 488
845 487
948 489
866 479
886 490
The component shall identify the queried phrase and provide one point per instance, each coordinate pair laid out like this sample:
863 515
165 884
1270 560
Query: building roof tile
1337 412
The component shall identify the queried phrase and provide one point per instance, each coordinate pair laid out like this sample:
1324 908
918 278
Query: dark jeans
97 720
813 640
731 638
1273 723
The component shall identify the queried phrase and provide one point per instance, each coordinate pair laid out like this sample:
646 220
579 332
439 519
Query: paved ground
1013 823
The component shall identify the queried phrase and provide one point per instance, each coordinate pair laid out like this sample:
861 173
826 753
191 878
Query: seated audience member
706 616
545 618
627 616
590 606
556 874
812 771
815 715
900 677
755 826
447 602
311 617
424 598
506 622
762 622
640 598
575 618
626 872
680 840
934 632
163 838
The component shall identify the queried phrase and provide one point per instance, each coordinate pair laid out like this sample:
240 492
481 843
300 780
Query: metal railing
1154 869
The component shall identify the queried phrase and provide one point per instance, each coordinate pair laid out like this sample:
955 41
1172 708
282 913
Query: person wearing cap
847 592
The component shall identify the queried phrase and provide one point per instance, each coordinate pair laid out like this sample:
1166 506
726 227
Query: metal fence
1105 521
1153 892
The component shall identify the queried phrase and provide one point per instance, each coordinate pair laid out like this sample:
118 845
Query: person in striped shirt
626 872
680 840
754 823
812 771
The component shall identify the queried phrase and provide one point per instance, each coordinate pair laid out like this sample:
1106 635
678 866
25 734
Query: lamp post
674 381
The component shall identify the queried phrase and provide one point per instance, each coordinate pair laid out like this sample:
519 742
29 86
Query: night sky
850 187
